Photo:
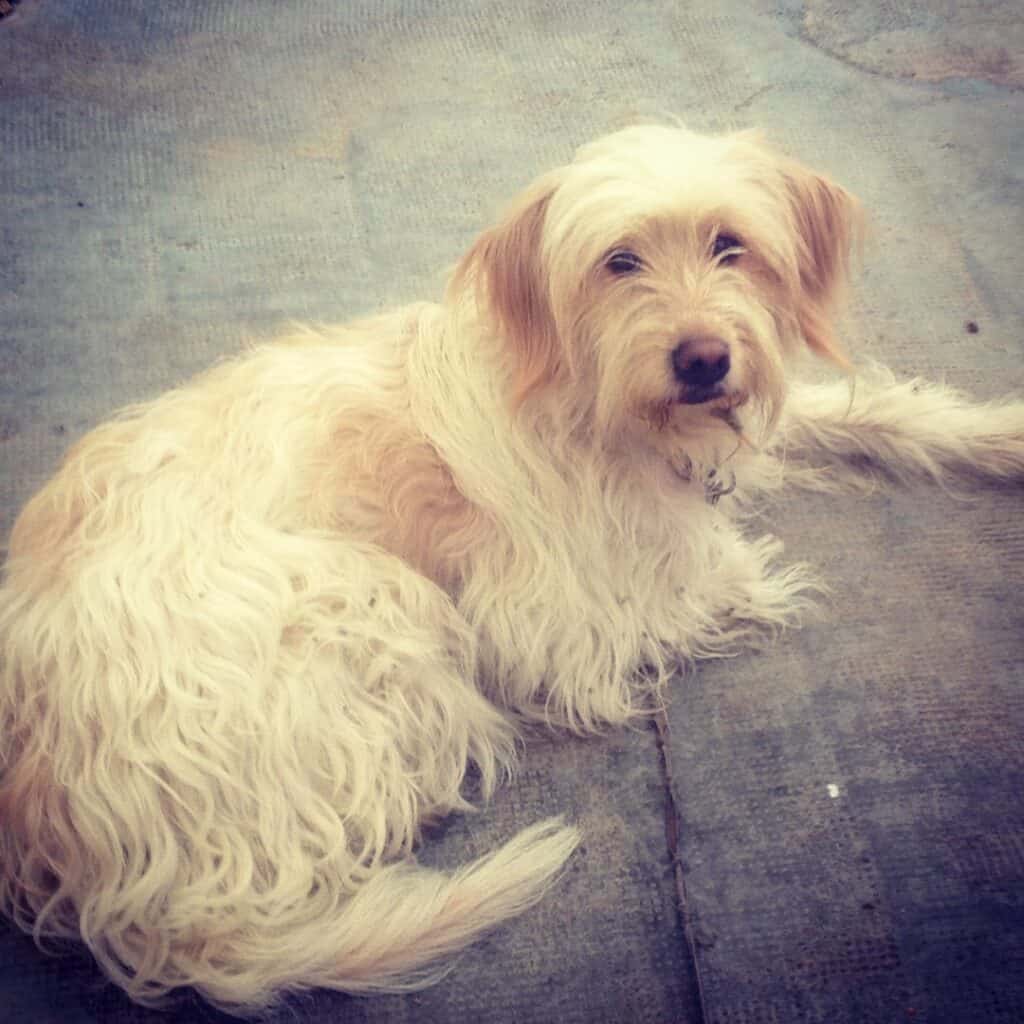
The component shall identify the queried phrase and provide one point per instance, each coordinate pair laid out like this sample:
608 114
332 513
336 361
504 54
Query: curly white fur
256 632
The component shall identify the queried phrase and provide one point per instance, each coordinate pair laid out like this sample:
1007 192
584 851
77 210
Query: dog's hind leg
854 434
217 754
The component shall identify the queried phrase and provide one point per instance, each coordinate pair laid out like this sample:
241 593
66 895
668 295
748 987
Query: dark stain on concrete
922 40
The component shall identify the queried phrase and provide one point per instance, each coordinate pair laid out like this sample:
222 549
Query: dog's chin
676 413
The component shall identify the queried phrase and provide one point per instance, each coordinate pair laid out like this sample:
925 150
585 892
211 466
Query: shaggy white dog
255 632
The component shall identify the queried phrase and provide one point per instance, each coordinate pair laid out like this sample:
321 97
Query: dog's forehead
653 174
675 163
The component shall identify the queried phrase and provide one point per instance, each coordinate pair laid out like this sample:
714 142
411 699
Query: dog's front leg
855 433
746 594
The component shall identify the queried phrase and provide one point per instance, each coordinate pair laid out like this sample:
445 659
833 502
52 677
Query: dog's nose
700 362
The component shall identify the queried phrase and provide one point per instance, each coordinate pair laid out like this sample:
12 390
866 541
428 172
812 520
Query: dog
257 632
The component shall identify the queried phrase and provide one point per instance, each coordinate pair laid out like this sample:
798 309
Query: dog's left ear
828 224
505 270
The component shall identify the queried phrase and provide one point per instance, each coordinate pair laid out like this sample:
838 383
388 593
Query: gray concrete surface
175 178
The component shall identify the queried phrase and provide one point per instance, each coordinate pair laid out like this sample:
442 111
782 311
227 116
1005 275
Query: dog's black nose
700 363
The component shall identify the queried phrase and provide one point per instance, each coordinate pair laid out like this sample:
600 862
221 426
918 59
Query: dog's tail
394 934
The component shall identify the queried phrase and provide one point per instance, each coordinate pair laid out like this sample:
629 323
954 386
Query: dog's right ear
505 271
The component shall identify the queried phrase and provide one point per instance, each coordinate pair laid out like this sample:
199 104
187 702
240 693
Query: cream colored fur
254 633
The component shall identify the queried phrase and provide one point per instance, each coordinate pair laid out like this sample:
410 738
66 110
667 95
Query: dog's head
660 281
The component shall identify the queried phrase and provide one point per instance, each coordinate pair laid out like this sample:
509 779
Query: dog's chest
632 541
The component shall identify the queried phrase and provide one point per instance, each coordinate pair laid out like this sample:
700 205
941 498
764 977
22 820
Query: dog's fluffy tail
395 933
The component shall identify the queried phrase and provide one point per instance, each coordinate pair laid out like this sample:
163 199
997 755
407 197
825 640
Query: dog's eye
727 248
623 262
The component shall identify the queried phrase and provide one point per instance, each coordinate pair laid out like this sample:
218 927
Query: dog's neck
716 479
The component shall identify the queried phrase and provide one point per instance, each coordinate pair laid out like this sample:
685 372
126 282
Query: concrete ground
836 830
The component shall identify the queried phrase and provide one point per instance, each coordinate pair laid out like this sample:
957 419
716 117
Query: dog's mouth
719 399
717 402
701 396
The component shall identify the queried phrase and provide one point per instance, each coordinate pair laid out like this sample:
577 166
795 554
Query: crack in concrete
661 733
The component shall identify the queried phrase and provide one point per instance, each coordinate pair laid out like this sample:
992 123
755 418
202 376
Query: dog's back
221 718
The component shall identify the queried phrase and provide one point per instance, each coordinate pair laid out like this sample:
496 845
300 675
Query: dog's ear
505 270
828 224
